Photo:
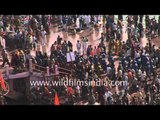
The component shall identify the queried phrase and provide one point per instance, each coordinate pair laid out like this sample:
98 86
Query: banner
70 57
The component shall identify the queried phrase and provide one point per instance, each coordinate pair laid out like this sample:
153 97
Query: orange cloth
56 100
2 82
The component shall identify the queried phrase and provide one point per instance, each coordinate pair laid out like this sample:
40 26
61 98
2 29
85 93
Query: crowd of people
137 64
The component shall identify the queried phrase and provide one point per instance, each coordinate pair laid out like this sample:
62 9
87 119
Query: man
5 57
108 97
135 18
109 72
70 46
141 18
84 45
114 26
92 52
34 43
59 39
87 20
120 20
44 41
81 18
78 45
92 99
102 37
159 27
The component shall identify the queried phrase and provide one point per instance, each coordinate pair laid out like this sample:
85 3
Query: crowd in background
138 64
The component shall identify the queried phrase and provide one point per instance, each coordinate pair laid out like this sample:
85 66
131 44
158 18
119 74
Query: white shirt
120 73
1 23
109 70
78 45
114 27
87 19
139 72
107 94
137 55
126 78
43 34
143 75
2 40
95 18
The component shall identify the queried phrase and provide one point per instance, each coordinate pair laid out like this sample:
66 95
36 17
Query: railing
64 70
37 68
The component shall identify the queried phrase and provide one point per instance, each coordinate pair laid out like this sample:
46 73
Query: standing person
5 57
108 97
95 50
59 39
43 33
102 37
120 20
92 52
116 44
135 18
159 27
78 45
34 42
80 22
64 23
2 43
84 44
87 20
141 18
114 30
70 45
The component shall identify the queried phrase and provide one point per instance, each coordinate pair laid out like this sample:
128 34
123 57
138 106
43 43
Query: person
120 20
108 97
159 27
59 39
84 44
43 34
34 43
114 25
92 52
70 46
102 37
92 99
135 18
141 18
5 57
78 45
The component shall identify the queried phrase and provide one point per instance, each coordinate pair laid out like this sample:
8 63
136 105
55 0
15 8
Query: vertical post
10 81
7 71
30 66
47 68
56 70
